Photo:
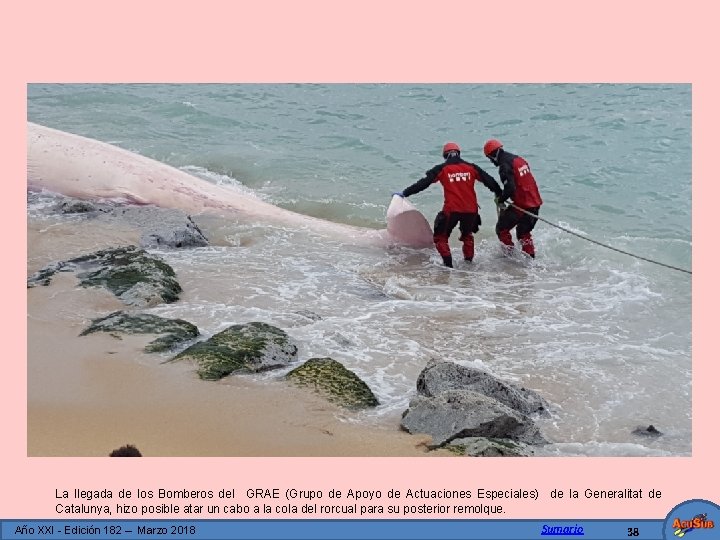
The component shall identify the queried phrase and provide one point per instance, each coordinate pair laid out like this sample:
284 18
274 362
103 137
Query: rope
600 243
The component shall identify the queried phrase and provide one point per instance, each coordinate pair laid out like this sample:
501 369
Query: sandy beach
88 395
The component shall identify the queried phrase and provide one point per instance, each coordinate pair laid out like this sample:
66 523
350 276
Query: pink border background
369 41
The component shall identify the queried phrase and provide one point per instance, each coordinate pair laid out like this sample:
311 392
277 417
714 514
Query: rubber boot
447 261
505 238
527 244
506 242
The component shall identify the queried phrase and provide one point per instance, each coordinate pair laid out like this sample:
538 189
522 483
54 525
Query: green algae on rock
130 273
174 331
330 379
488 447
242 348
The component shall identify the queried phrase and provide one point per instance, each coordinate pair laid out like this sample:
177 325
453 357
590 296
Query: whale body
84 168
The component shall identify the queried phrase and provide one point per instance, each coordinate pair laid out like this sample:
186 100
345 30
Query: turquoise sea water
604 336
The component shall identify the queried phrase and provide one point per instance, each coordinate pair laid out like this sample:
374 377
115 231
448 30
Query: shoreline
89 395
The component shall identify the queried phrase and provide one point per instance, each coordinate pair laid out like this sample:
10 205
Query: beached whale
84 168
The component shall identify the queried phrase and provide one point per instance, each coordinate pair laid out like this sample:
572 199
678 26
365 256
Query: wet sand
88 395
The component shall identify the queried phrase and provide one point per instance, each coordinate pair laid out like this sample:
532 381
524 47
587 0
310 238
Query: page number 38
633 531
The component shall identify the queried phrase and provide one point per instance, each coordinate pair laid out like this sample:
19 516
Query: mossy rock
241 348
488 447
174 331
129 272
330 379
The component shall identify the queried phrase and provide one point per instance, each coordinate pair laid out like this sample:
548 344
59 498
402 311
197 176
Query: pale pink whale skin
84 168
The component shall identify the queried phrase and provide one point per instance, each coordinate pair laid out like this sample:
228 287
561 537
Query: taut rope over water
600 243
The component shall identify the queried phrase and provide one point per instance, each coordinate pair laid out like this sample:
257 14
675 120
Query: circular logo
693 520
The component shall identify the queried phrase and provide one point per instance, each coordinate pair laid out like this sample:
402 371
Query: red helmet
450 147
491 146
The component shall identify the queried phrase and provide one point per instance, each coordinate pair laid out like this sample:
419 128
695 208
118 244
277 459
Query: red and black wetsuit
520 186
457 178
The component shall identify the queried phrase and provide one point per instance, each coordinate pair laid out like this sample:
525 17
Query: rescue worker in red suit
520 186
457 178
